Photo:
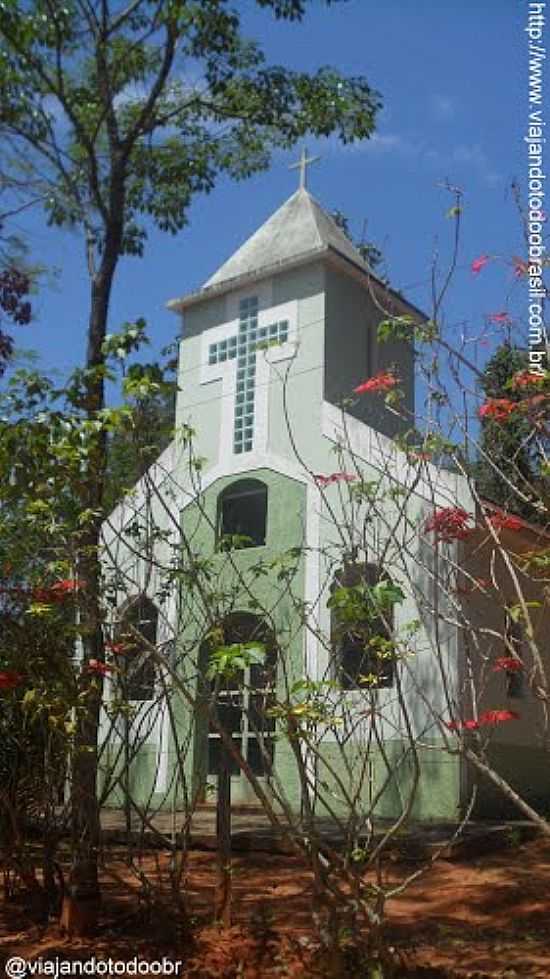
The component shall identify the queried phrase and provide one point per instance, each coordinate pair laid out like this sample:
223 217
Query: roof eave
360 272
366 276
239 281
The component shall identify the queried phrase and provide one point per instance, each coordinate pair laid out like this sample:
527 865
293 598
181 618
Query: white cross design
243 347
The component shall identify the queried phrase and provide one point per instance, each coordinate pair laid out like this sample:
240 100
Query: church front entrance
241 702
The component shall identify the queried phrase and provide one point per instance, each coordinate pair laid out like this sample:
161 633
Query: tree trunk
223 833
81 902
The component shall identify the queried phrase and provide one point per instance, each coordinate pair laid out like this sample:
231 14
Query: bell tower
288 322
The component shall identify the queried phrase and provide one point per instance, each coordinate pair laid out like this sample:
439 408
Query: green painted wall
285 529
352 351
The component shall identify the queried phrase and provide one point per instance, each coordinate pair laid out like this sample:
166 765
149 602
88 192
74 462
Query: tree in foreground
114 138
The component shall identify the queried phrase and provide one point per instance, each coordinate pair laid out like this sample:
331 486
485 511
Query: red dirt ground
489 916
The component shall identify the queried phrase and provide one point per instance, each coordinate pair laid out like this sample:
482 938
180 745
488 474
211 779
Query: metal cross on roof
302 166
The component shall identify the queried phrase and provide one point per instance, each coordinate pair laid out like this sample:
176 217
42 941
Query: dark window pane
138 669
140 681
262 676
230 714
358 654
259 764
214 754
357 663
258 719
242 514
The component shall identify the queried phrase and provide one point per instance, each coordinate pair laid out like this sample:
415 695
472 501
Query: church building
264 505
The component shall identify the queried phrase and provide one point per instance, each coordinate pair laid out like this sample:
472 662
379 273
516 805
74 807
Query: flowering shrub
499 409
449 524
383 381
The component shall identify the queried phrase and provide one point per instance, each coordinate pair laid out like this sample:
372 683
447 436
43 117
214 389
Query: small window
137 669
362 651
242 515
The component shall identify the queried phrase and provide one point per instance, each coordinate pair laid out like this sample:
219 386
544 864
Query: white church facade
272 348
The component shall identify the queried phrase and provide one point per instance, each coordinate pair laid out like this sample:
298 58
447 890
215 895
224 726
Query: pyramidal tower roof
299 227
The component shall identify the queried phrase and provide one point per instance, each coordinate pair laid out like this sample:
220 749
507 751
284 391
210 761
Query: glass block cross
243 348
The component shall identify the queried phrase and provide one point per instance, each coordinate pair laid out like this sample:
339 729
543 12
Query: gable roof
300 231
298 227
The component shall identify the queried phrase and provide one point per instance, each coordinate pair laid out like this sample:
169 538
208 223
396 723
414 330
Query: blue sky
453 81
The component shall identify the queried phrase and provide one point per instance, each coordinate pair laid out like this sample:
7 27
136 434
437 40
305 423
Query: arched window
137 668
361 632
244 698
242 515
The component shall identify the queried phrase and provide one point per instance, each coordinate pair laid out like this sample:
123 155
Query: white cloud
474 155
470 156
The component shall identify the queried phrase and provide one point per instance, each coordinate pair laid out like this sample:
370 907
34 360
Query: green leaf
387 594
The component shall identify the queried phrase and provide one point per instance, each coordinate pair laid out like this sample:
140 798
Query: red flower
501 317
499 409
67 586
383 381
470 725
498 716
58 591
419 456
324 481
9 679
479 263
95 666
504 521
116 647
508 663
525 378
449 523
485 719
343 477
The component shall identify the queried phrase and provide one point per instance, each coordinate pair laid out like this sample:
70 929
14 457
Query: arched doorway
241 701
